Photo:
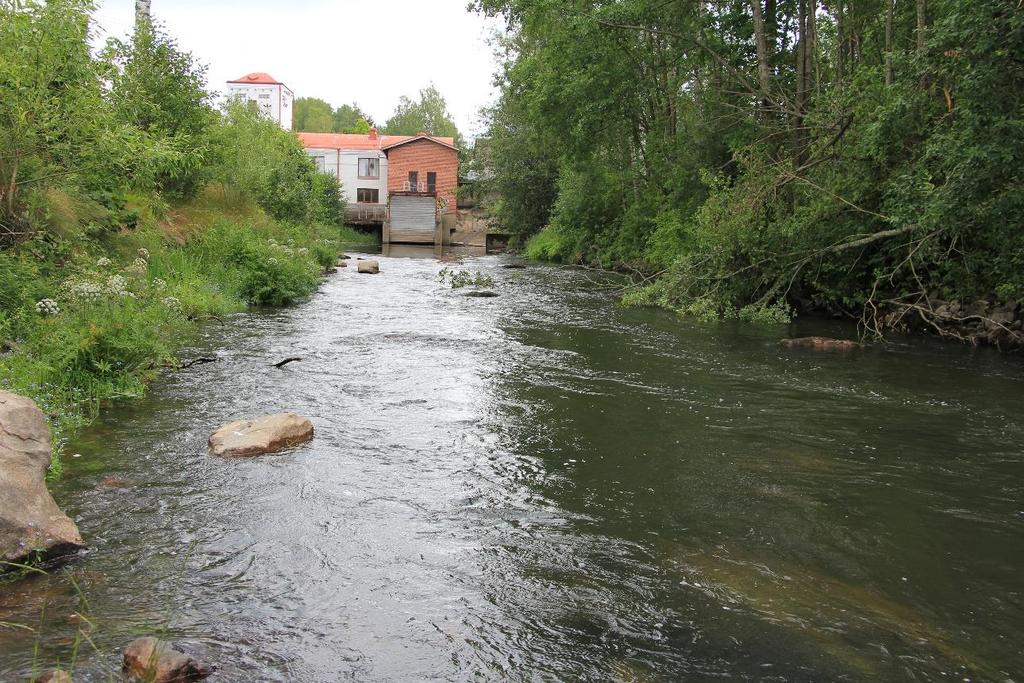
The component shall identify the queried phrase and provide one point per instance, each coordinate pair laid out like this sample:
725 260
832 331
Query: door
412 218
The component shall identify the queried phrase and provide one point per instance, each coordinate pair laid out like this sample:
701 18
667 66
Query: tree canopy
428 114
313 115
762 155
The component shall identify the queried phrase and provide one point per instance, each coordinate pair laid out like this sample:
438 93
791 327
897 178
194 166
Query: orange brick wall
424 156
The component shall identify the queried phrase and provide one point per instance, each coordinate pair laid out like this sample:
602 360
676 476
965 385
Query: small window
366 195
369 168
413 181
264 96
431 181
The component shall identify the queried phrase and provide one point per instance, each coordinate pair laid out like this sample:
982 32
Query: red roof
258 78
363 141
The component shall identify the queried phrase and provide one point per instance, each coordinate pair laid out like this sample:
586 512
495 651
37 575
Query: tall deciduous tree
428 114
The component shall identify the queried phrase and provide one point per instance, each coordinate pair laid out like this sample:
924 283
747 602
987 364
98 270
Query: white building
273 98
358 161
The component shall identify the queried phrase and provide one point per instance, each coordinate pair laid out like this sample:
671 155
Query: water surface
544 486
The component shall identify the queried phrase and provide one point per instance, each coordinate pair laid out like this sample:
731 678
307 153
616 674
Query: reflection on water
545 486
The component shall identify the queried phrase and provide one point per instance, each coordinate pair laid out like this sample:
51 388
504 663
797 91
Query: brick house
371 167
422 163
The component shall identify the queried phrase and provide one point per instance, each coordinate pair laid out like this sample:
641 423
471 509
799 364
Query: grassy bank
91 315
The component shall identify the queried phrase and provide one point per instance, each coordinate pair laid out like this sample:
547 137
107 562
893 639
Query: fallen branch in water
286 361
197 361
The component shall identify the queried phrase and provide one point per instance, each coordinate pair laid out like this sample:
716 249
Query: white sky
341 51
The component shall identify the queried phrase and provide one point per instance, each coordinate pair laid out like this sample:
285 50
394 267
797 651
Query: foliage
463 278
267 163
313 115
316 116
872 164
429 114
54 125
127 302
159 90
130 211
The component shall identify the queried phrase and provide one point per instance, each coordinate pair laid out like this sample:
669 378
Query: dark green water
543 486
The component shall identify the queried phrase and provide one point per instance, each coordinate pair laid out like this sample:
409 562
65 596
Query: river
546 486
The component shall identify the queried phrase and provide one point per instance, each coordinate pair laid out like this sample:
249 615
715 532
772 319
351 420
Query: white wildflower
171 302
82 290
138 266
159 284
47 307
117 286
103 262
144 254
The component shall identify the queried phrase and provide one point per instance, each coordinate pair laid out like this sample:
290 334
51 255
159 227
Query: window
366 195
431 181
264 96
321 163
413 178
369 168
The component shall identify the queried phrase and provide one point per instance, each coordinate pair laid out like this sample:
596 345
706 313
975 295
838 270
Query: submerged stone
155 661
481 293
822 344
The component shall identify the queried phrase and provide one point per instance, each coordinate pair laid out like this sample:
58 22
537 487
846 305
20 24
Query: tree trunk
840 42
890 10
763 73
142 14
920 27
811 51
799 137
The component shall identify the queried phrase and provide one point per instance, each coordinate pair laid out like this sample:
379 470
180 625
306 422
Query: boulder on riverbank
266 434
155 661
822 344
30 521
371 267
340 263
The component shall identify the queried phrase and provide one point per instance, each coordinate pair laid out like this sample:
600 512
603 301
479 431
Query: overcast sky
342 51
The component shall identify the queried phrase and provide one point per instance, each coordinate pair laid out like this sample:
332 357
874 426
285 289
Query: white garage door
412 218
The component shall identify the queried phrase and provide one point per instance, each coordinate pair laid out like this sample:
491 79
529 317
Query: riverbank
95 317
982 321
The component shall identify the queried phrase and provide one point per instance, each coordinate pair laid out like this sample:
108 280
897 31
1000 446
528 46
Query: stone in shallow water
30 521
266 434
371 267
822 344
481 293
155 661
54 676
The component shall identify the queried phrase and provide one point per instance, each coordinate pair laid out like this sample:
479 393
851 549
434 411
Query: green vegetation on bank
131 210
761 155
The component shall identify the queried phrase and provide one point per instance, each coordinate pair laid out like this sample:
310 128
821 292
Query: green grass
127 300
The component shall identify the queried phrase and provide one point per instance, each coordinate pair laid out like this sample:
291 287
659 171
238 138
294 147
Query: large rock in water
371 267
155 661
30 520
267 434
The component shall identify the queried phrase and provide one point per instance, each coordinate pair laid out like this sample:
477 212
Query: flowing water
544 486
